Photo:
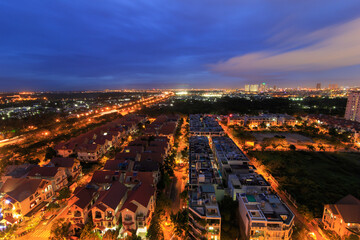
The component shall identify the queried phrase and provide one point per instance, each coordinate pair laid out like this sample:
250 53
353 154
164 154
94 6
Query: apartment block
264 216
353 107
203 168
204 213
267 120
229 157
243 183
204 125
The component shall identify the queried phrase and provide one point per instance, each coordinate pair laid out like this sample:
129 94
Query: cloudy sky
97 44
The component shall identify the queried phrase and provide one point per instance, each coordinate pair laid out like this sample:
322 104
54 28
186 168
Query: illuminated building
254 88
55 175
353 107
229 157
263 87
264 216
204 125
333 86
247 88
343 217
204 213
318 86
21 197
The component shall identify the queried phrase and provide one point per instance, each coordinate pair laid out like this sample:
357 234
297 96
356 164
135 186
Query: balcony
77 214
274 228
128 219
140 218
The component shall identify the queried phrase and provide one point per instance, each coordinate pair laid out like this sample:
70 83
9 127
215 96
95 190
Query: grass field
314 178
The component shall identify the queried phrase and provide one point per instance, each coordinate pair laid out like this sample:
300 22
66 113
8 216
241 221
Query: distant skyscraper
247 88
274 87
353 107
254 87
333 86
318 86
262 87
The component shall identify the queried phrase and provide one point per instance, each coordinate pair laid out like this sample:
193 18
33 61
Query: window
77 214
98 214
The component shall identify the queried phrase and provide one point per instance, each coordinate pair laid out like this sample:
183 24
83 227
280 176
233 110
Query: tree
50 153
263 125
321 147
181 222
60 230
310 147
64 193
292 147
229 225
133 236
352 237
110 235
274 146
155 232
52 206
9 232
184 194
88 232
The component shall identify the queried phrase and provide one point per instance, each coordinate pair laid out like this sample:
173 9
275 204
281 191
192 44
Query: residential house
56 175
71 165
106 209
21 197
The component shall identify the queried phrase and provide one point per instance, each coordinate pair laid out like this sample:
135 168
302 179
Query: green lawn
314 178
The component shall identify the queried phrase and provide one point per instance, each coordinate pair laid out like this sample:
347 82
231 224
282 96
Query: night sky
100 44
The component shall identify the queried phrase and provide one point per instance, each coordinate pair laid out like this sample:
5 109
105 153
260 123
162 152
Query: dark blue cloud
96 44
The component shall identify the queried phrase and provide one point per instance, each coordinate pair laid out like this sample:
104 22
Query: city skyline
120 44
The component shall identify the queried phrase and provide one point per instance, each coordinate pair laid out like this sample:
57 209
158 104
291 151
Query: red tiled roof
10 219
101 176
153 156
168 128
131 149
349 208
127 156
129 205
112 197
85 195
143 192
21 188
63 162
88 147
43 171
119 164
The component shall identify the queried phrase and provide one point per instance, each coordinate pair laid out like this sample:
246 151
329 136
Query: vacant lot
314 178
291 138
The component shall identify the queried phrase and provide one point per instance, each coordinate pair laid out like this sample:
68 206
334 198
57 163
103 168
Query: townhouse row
91 146
268 120
124 191
111 199
205 190
27 188
163 125
214 160
204 125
